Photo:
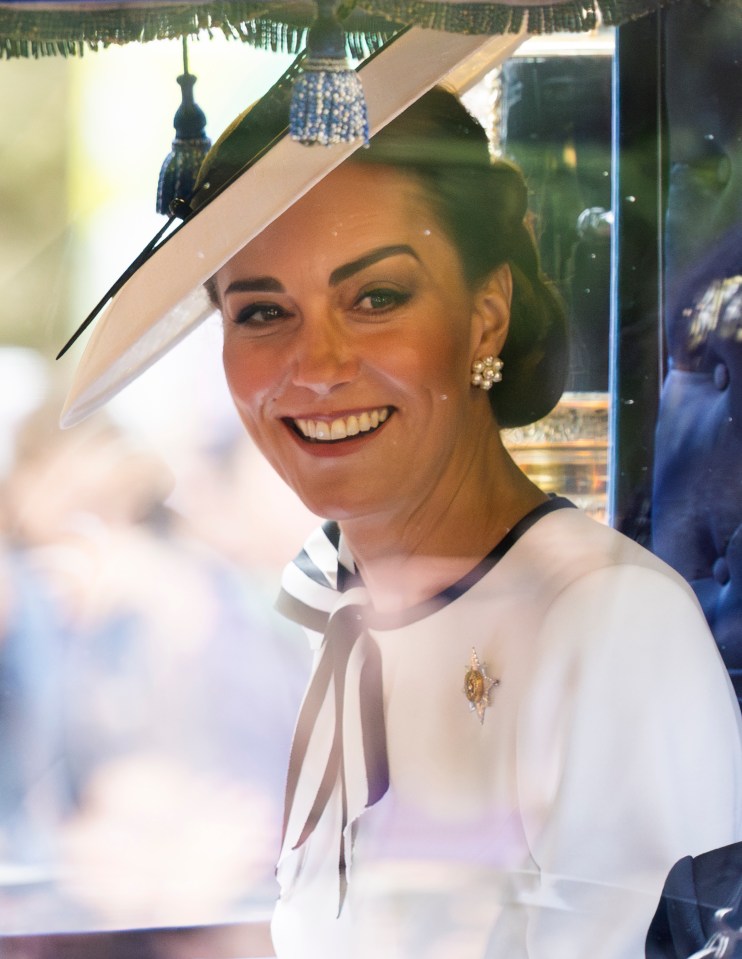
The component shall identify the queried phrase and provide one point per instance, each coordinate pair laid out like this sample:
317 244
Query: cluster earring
486 372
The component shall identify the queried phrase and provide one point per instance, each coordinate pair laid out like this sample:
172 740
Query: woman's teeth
343 427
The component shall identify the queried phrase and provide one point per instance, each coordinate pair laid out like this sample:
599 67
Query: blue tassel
327 102
180 169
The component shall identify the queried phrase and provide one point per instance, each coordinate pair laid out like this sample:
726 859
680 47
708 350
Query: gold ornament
477 685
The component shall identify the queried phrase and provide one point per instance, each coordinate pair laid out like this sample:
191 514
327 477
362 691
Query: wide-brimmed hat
161 298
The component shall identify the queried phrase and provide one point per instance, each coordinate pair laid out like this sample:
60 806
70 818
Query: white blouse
609 748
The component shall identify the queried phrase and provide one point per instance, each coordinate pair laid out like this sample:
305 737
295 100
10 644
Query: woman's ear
491 313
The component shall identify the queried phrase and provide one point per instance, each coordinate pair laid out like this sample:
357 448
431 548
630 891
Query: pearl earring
486 372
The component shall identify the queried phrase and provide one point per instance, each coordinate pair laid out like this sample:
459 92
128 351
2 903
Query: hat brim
165 298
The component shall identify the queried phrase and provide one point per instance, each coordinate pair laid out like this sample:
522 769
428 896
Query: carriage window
549 109
148 689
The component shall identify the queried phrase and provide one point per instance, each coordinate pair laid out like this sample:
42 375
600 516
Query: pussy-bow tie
340 738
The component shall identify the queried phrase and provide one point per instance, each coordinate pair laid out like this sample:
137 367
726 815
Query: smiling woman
493 757
378 330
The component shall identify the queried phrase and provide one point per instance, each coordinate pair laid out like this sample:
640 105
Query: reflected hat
161 297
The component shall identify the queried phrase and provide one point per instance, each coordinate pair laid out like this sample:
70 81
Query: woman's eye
260 314
375 301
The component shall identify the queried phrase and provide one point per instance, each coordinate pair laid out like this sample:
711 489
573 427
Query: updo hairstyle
483 206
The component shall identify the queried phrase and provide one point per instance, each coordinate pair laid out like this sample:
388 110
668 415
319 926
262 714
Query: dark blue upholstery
695 889
697 496
697 508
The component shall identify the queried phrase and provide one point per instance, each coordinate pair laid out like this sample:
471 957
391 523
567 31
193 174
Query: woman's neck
405 560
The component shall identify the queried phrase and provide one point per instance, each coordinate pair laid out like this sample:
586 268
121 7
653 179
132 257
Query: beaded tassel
180 168
327 103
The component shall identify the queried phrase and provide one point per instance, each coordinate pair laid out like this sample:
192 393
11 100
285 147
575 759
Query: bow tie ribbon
340 738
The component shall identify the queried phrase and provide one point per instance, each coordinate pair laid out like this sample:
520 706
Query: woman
366 332
499 750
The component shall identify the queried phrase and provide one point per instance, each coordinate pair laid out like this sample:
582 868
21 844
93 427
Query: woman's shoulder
609 604
567 546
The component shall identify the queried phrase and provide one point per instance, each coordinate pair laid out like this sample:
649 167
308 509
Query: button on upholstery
721 376
721 571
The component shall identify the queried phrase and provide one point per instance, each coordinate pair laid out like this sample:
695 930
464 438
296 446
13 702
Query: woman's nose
323 356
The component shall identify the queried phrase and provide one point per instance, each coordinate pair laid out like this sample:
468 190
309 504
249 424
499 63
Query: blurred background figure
137 725
142 754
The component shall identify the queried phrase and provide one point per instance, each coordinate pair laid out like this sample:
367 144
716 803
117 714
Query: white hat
161 298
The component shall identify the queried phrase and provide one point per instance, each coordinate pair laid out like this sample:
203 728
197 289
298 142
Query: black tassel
327 104
180 169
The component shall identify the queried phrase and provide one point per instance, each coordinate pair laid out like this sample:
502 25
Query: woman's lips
339 428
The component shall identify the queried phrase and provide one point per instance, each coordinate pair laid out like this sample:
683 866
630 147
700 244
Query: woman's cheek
246 375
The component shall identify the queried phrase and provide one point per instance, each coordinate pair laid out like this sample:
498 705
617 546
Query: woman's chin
335 507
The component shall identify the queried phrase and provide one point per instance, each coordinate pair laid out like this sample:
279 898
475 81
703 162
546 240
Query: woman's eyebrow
257 284
348 269
269 284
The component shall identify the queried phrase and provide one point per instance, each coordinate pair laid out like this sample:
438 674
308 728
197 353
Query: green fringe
25 32
574 16
271 26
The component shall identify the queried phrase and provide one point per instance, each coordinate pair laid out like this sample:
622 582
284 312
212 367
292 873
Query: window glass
147 688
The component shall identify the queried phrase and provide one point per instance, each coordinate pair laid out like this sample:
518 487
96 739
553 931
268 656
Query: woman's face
349 333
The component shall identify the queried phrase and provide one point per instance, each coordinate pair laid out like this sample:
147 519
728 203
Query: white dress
610 749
